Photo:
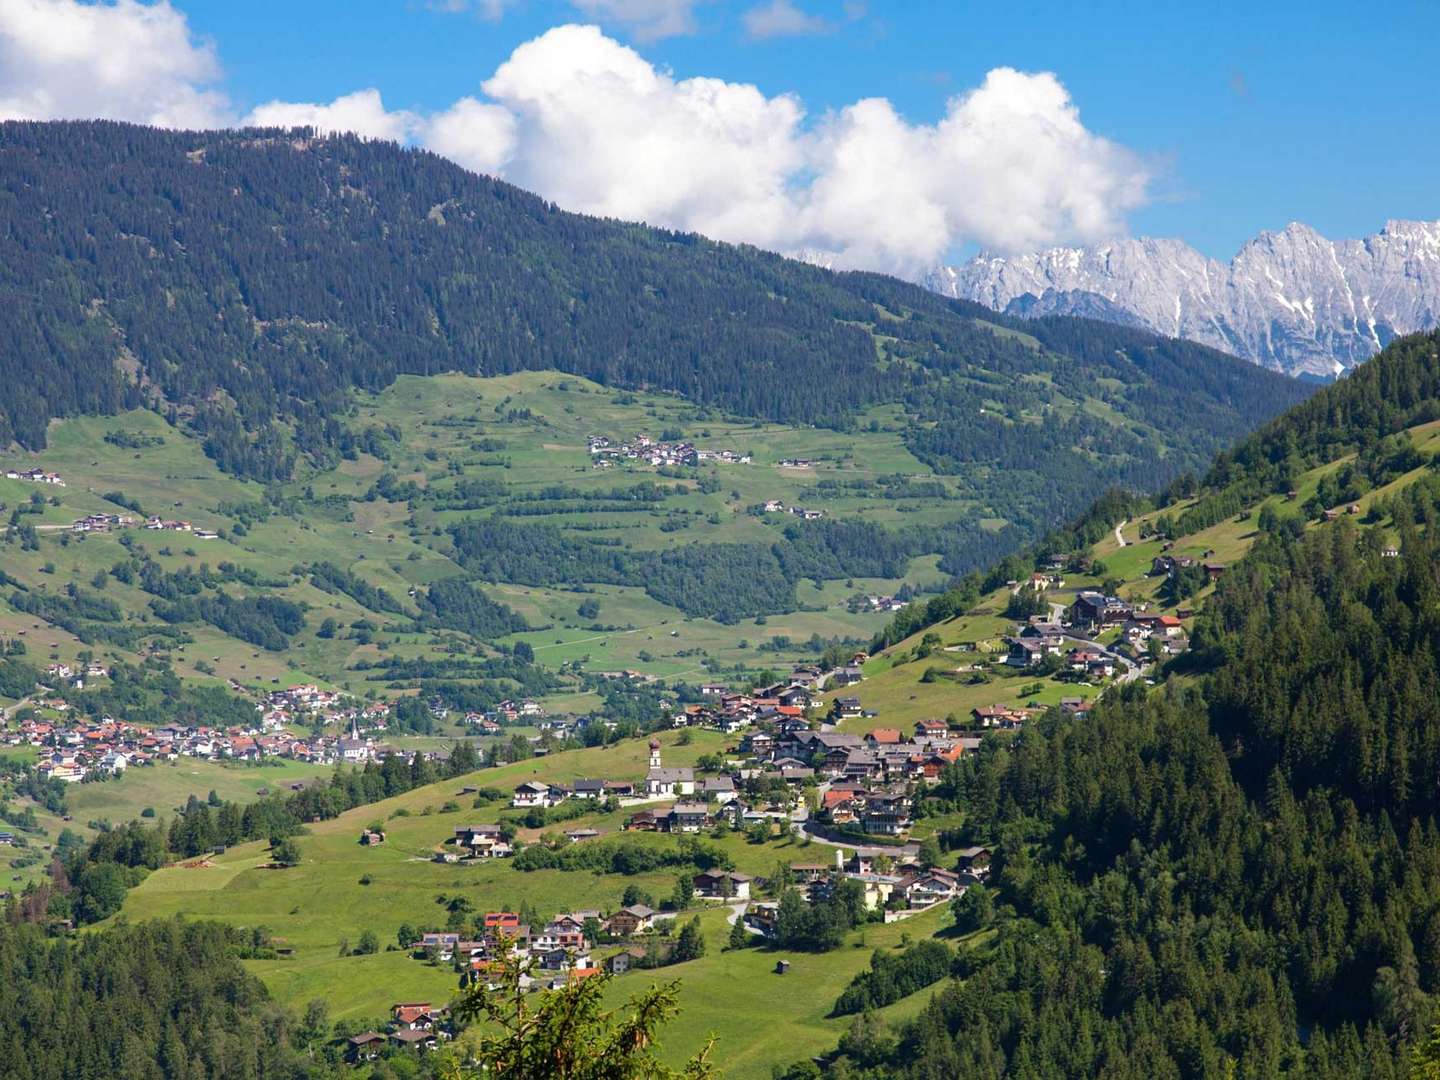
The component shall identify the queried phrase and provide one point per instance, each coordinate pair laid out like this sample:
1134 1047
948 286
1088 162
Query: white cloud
361 112
126 60
1010 166
599 129
474 134
781 18
592 125
602 131
648 20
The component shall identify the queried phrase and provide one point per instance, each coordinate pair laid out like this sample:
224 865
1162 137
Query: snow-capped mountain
1290 300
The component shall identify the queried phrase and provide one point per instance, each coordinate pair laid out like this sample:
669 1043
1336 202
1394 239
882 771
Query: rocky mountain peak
1290 299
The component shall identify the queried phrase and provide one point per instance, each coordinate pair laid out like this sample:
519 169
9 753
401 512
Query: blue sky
1257 113
1230 118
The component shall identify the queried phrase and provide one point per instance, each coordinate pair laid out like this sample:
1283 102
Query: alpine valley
443 636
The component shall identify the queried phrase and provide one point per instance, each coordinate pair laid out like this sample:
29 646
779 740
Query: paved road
863 849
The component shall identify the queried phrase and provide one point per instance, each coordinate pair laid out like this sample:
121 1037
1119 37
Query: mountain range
1291 300
246 282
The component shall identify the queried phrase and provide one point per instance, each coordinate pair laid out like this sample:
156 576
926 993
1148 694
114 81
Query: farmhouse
632 920
689 817
532 793
722 884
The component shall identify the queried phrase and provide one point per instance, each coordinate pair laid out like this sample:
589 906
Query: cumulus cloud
599 129
648 20
362 112
475 134
781 18
62 59
592 125
1010 166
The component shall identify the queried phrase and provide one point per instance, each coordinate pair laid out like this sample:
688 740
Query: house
722 884
624 960
588 789
976 860
931 728
369 838
531 793
930 887
439 946
846 676
886 813
885 736
577 835
414 1039
364 1047
632 920
642 821
1094 610
846 708
795 697
1075 708
1028 652
689 817
413 1016
719 788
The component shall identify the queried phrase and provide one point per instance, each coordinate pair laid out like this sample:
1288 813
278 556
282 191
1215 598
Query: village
604 452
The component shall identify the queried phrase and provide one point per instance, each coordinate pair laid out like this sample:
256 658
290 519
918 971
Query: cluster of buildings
302 705
75 749
775 506
508 712
604 452
414 1026
35 476
1166 565
898 886
168 525
101 523
876 602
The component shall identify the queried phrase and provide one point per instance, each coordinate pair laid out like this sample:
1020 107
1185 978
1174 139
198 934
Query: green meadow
340 889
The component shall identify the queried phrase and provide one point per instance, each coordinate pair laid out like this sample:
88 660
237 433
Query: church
663 782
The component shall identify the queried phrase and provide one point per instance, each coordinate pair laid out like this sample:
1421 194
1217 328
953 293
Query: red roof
886 735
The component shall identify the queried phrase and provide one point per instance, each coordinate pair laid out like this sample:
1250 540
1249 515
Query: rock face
1290 300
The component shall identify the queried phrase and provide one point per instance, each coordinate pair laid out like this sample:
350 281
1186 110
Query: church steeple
654 753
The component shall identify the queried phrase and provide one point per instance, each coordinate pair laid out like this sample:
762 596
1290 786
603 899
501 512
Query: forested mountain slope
1360 443
1235 872
249 280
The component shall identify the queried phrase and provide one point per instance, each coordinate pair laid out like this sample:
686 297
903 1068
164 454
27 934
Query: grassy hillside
399 544
317 904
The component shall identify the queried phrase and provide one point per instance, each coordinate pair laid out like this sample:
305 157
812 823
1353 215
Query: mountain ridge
248 282
1290 300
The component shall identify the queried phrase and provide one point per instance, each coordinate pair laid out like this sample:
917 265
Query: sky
878 135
